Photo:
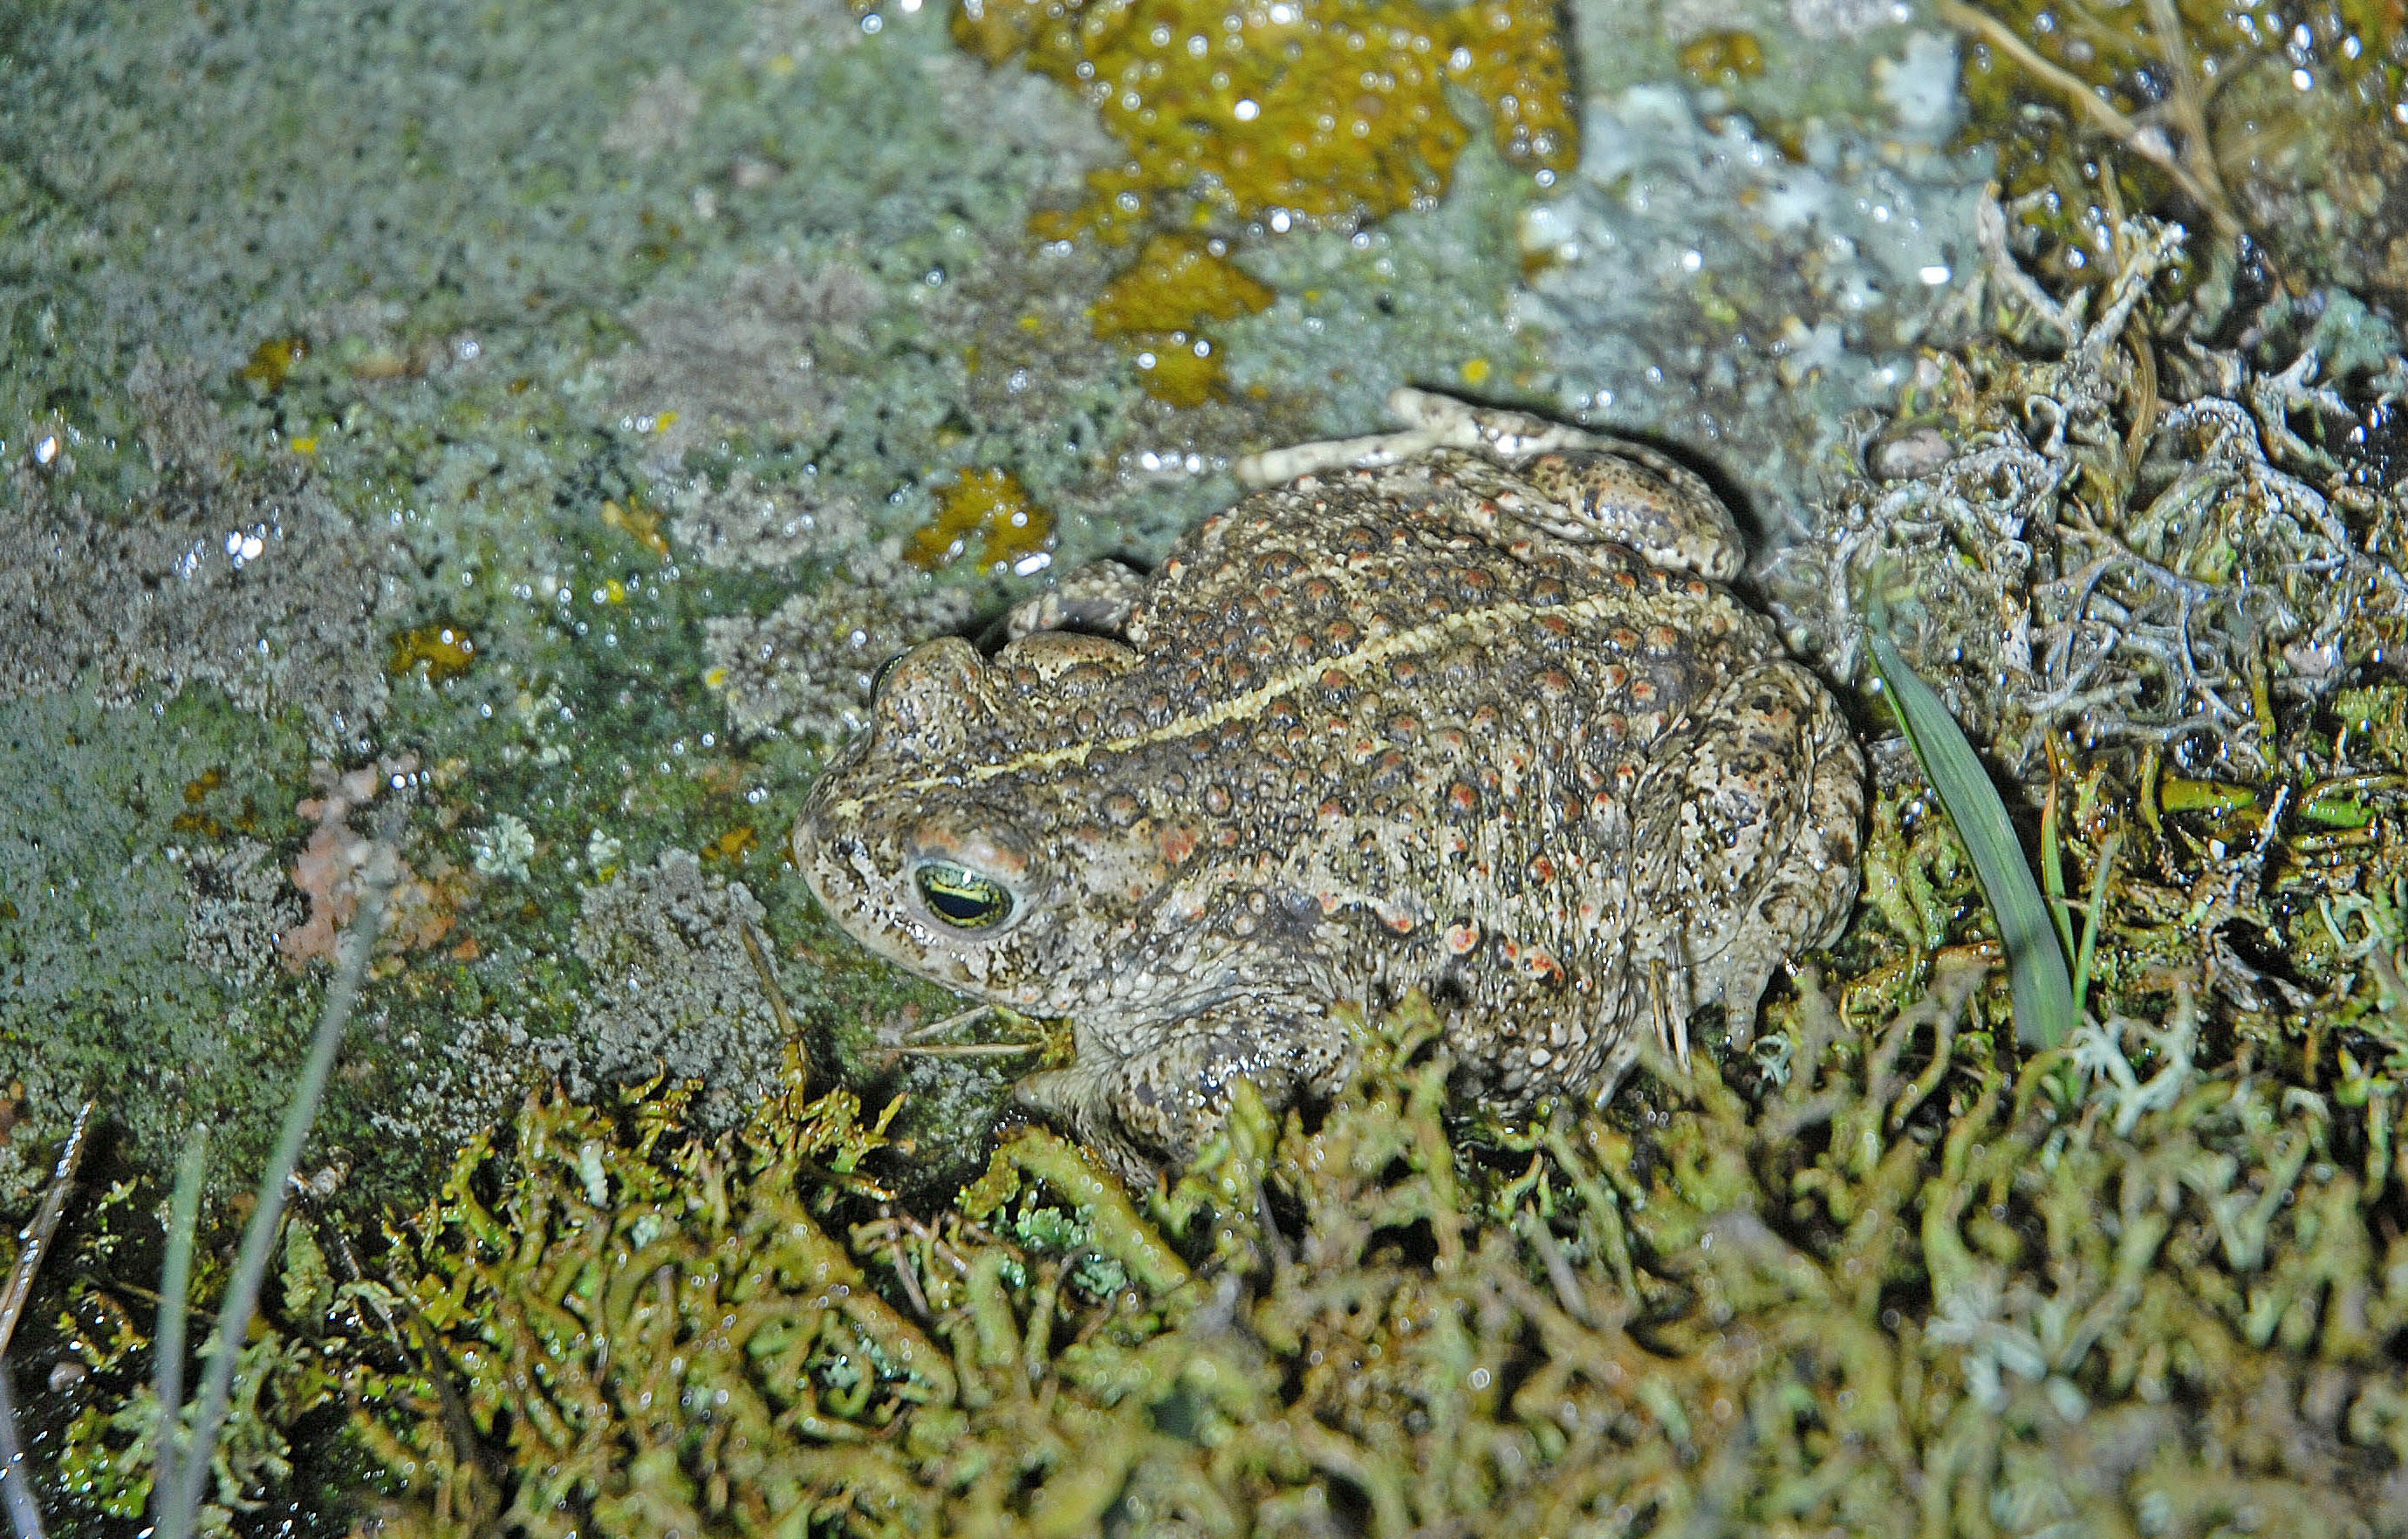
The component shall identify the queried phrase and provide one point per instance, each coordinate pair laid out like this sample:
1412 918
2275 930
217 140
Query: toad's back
1416 724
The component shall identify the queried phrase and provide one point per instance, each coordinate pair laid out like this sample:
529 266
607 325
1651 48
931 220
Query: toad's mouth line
1469 625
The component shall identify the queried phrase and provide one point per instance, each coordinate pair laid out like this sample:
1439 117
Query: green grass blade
180 1505
2092 918
2052 870
175 1292
16 1475
2036 964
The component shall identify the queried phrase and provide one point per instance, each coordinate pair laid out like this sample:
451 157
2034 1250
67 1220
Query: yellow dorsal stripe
1473 624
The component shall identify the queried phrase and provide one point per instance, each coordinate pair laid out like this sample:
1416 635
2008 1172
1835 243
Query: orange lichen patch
445 649
733 845
1178 281
193 820
1178 368
991 507
1316 107
1178 284
273 359
197 790
640 523
1723 58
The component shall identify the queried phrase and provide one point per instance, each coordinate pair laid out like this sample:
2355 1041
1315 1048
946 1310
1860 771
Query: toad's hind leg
1763 858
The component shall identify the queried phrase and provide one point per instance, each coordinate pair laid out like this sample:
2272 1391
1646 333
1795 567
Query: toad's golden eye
961 896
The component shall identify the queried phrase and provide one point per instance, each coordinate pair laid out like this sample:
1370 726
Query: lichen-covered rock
741 522
255 581
675 988
765 358
806 669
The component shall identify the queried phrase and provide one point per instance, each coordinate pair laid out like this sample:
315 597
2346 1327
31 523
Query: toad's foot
1590 487
1097 597
1164 1103
1433 421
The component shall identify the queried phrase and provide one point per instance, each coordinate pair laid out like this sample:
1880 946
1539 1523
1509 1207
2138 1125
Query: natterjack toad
1464 708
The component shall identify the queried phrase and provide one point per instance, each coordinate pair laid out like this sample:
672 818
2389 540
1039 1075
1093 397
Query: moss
1895 1285
2219 114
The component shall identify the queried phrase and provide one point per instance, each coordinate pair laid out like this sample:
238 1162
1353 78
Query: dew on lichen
445 650
991 507
1316 107
1178 286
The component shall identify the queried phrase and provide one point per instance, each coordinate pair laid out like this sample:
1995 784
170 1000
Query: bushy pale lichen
2111 534
676 988
2141 568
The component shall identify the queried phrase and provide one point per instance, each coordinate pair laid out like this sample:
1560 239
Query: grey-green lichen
806 667
675 989
253 579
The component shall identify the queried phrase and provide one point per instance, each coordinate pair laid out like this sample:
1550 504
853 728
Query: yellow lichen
1181 370
734 845
273 359
1723 58
640 523
1178 281
1178 285
446 650
991 507
1314 106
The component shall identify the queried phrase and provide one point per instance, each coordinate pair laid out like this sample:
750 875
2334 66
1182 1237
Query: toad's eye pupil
878 680
961 896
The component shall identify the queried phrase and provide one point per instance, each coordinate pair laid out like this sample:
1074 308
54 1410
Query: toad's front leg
1163 1102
